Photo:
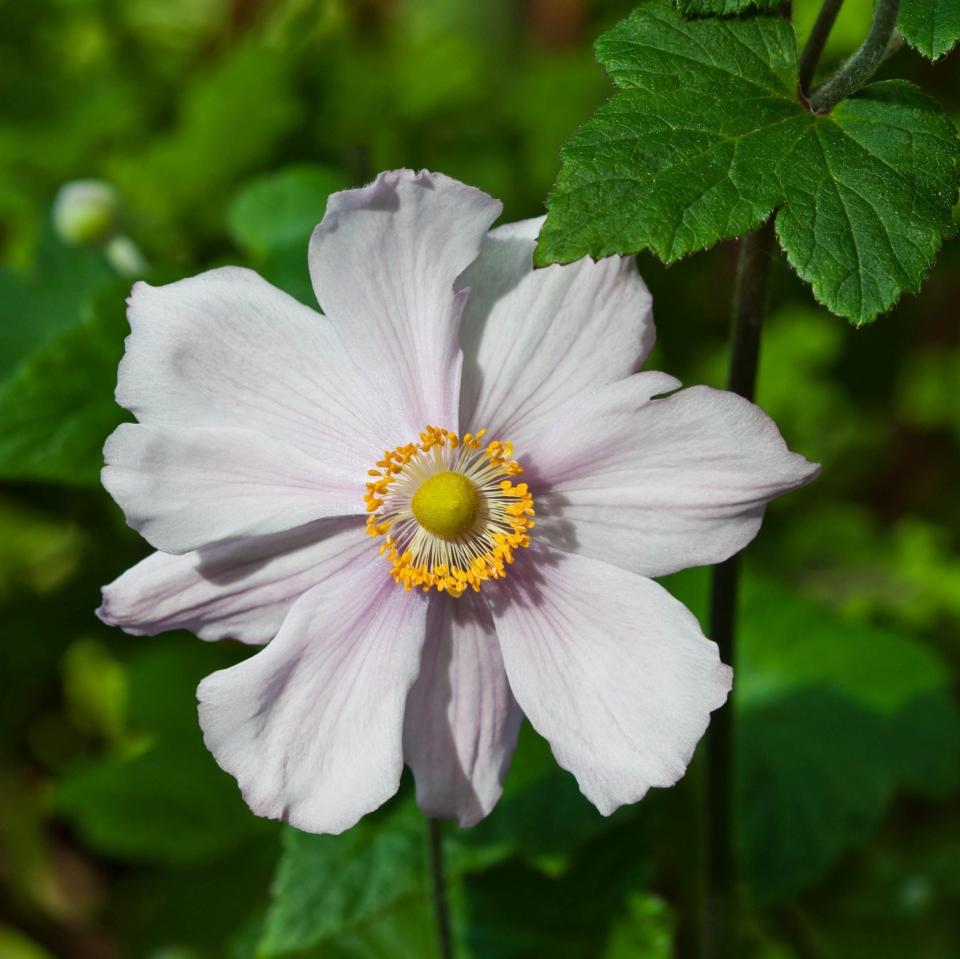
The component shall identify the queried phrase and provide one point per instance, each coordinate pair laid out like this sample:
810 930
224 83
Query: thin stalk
721 920
816 42
441 906
863 64
755 257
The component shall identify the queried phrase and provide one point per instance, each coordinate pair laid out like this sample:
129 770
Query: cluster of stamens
448 510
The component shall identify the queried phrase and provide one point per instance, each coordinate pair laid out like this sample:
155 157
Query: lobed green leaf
707 136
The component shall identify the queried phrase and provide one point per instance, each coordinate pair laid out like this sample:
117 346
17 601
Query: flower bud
86 212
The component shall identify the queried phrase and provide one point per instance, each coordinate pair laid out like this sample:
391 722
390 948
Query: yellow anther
448 513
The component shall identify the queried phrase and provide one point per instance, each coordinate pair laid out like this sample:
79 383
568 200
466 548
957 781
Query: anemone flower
439 504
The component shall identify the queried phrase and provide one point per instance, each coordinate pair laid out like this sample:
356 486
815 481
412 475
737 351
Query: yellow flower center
446 504
450 515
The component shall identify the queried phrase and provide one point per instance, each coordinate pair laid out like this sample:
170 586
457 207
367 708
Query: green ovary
446 505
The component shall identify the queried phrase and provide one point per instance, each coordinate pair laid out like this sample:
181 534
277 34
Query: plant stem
863 64
755 257
721 920
816 42
438 875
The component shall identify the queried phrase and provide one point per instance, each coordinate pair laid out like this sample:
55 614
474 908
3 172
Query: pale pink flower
261 421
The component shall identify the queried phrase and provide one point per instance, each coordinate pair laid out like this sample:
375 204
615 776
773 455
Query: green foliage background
224 124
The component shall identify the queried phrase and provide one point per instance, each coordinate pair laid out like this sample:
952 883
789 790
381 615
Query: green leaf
346 892
281 209
326 884
722 8
189 911
671 162
164 800
813 781
54 298
868 198
542 815
817 774
57 407
835 718
932 27
898 898
359 894
19 329
706 137
599 906
272 219
66 280
923 739
789 642
286 268
169 804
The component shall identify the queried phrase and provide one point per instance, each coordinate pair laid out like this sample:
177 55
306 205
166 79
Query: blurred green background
223 125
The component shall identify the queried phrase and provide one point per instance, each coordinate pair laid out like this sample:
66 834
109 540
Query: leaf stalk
859 69
816 43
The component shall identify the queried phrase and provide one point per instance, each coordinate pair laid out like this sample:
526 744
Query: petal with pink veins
227 349
383 261
182 489
462 721
536 339
312 725
659 485
610 669
240 589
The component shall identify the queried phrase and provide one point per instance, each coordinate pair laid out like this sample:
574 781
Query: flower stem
721 919
816 42
438 875
863 64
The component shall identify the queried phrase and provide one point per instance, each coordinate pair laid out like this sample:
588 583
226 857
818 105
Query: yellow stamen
450 515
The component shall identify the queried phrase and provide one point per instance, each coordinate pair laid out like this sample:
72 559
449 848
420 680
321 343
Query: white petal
185 489
384 261
662 485
226 348
241 589
533 340
312 725
462 721
610 669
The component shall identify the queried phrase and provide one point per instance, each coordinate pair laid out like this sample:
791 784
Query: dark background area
223 125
